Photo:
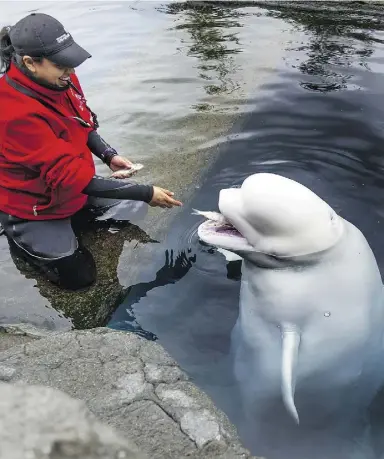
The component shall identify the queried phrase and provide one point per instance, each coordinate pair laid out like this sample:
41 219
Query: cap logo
63 37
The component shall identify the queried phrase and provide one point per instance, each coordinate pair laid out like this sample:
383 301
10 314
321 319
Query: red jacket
44 159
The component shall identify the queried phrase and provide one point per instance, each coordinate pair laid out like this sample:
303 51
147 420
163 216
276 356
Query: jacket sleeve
118 189
31 142
100 148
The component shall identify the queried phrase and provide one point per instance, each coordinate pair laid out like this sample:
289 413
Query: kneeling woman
48 135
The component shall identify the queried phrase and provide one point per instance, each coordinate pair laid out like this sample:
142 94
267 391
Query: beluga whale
307 346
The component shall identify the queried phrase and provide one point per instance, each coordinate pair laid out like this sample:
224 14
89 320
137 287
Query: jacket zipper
42 207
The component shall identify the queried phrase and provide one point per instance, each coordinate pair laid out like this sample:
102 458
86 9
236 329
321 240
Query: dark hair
7 52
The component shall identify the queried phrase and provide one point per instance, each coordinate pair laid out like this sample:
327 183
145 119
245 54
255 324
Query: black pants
54 248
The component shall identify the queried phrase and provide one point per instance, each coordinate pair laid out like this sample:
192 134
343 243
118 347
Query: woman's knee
52 248
73 272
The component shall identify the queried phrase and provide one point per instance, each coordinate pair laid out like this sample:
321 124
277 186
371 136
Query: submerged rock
28 296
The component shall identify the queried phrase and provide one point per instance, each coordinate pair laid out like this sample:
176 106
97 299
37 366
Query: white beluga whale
309 334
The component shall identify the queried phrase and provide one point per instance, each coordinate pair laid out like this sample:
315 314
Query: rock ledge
129 383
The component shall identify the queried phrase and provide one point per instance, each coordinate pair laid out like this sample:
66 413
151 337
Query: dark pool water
319 119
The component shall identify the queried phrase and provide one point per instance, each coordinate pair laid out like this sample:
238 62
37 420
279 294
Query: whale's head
272 215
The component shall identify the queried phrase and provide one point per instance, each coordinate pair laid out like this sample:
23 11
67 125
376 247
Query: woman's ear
29 63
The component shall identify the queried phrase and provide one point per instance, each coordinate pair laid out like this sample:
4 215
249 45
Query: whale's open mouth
217 224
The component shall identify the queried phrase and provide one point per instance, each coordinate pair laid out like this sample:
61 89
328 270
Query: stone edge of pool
129 384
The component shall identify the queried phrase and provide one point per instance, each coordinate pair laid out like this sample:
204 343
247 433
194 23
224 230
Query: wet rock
29 296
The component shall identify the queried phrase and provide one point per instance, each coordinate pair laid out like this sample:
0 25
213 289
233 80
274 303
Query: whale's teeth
209 215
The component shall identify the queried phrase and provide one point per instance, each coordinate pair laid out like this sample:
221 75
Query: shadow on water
320 125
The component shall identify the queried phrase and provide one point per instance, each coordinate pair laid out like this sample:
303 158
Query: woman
47 137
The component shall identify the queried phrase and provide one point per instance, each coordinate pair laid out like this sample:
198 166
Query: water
166 87
205 96
318 120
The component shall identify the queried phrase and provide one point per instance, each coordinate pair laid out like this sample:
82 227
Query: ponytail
7 51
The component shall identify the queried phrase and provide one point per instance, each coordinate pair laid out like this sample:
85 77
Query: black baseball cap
41 35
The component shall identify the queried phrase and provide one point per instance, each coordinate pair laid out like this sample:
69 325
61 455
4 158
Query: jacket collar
16 74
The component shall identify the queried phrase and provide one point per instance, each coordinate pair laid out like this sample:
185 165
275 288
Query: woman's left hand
121 167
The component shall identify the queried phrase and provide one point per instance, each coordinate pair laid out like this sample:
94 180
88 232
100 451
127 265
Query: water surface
167 85
205 94
316 119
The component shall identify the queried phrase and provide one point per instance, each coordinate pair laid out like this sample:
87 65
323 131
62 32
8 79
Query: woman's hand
121 167
163 198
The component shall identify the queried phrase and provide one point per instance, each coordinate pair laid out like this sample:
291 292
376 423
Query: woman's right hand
163 198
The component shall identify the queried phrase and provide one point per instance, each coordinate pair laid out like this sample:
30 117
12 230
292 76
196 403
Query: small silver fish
209 215
122 174
136 167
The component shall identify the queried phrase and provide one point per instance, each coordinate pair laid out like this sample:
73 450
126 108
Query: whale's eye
327 314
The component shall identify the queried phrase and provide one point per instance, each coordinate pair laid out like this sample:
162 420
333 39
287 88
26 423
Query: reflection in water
340 38
211 42
171 272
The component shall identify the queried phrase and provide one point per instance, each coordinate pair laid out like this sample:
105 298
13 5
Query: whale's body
307 346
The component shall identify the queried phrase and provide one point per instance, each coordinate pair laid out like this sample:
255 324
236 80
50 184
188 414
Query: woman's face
48 72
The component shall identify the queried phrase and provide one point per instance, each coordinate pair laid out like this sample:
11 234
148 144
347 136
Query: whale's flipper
290 351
